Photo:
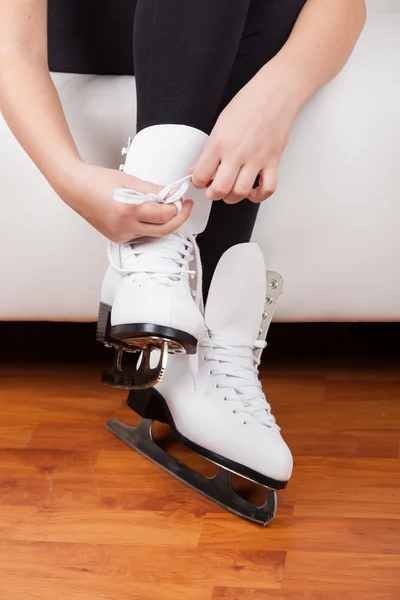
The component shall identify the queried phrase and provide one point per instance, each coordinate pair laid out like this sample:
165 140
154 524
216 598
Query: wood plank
180 565
95 526
364 443
80 435
387 371
307 534
366 501
341 571
15 436
28 461
325 473
221 593
337 412
154 491
97 587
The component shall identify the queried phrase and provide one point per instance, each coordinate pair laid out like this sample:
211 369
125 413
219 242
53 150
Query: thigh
91 36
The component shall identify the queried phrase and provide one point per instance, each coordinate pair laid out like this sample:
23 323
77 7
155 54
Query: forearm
318 48
30 105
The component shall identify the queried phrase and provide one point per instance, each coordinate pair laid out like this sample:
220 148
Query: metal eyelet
269 300
273 284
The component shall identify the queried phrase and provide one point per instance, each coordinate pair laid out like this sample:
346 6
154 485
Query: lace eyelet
217 386
234 412
210 373
244 423
225 399
204 357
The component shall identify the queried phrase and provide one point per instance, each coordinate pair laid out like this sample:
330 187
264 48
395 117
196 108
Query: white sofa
332 229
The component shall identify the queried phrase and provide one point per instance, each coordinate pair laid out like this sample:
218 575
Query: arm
30 104
253 130
28 99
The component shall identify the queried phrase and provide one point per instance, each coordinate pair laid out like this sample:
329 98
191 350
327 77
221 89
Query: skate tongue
163 154
236 298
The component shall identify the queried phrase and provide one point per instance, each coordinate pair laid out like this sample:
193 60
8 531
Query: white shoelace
239 368
165 260
128 196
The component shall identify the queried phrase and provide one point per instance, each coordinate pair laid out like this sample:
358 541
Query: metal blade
218 489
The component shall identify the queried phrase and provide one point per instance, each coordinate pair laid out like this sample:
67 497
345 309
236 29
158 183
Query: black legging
190 58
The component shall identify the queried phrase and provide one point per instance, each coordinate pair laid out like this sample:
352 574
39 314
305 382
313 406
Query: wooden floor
82 517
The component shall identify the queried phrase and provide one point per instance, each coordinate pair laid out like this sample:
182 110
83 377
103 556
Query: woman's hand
89 190
248 140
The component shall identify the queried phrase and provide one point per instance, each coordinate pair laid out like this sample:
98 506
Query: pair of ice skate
151 306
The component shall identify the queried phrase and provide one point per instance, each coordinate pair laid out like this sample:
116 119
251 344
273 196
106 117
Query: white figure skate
214 401
151 296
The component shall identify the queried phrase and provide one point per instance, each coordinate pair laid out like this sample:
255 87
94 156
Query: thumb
144 187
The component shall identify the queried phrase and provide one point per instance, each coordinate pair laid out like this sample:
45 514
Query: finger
268 185
154 213
243 185
171 225
205 168
224 180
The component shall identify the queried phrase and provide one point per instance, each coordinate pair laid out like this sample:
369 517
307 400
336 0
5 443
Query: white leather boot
214 400
151 296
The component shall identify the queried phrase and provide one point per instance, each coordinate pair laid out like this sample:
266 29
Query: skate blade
218 489
143 375
153 342
142 335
